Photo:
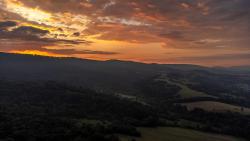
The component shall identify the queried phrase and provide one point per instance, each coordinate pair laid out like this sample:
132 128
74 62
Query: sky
202 32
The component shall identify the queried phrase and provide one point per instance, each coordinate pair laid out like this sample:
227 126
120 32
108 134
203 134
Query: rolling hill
119 96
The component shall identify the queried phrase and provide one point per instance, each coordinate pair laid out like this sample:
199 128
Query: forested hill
83 72
46 98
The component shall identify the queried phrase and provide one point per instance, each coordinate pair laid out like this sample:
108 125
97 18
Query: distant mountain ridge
14 56
111 75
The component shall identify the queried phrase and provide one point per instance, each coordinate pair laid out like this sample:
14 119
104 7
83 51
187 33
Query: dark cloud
218 57
17 45
176 35
73 51
29 33
77 34
23 33
28 30
6 24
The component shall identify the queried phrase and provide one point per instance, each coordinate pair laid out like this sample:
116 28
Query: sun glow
36 52
67 23
31 14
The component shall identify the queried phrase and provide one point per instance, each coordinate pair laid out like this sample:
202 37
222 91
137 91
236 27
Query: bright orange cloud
166 31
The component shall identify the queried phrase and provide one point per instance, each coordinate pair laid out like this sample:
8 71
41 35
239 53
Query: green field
185 91
216 107
178 134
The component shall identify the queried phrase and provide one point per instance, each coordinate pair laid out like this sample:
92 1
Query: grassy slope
216 106
185 92
178 134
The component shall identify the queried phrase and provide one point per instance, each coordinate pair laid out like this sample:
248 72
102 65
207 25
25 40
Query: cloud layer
124 29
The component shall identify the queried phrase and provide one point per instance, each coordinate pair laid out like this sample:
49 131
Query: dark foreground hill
79 71
118 76
44 98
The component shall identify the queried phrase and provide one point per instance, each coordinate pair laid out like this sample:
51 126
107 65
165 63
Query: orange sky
204 32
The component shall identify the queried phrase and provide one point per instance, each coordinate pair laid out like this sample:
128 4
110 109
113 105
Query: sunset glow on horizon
36 52
203 32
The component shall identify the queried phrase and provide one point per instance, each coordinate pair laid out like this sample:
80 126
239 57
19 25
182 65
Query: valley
70 98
